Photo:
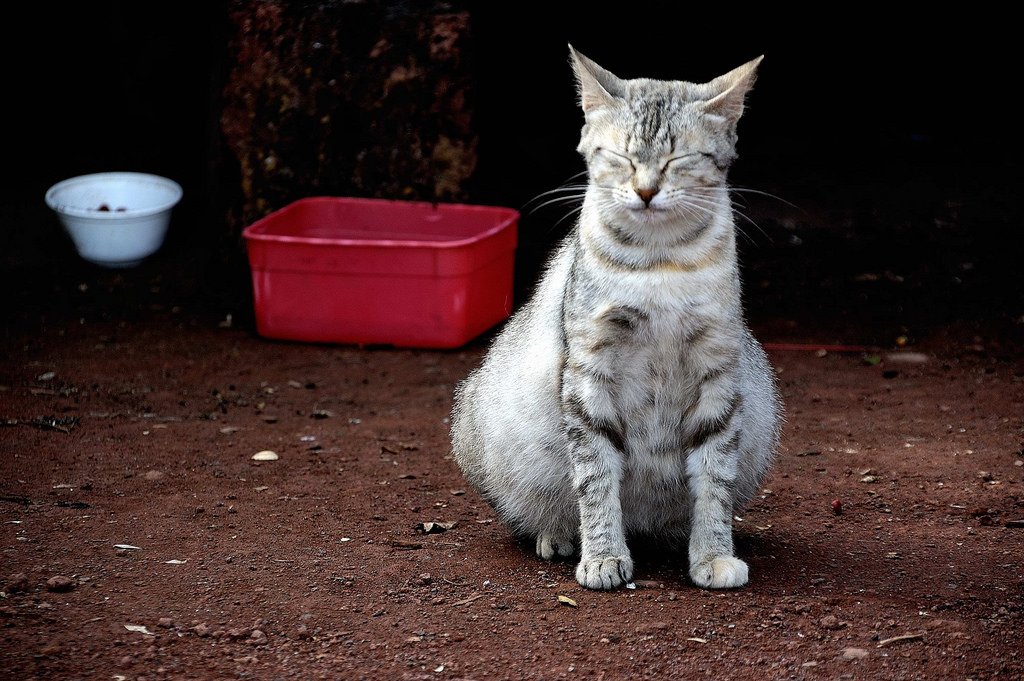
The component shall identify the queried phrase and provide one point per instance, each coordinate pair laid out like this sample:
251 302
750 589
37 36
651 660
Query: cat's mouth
646 212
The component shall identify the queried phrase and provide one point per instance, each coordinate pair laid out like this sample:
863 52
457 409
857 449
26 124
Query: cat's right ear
597 87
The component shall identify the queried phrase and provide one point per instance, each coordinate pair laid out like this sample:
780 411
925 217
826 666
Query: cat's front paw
724 572
551 545
604 572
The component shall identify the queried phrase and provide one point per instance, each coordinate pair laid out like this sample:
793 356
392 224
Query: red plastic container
369 271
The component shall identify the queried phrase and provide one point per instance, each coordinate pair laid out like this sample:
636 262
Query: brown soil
319 551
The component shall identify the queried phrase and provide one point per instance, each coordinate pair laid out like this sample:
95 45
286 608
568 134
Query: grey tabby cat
627 396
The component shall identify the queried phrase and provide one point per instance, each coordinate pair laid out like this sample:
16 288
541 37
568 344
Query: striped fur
628 397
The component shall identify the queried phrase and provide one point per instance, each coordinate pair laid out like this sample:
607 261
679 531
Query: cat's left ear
730 90
598 87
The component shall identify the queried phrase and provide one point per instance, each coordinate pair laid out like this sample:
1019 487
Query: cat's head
656 148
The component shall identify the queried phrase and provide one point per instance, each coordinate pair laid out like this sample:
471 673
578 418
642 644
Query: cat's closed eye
688 161
614 159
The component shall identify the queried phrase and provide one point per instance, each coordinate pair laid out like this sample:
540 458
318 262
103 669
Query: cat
628 397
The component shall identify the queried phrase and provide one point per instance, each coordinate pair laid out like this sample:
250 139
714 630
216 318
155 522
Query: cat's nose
646 194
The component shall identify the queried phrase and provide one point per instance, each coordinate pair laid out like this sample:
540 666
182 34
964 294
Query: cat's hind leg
555 543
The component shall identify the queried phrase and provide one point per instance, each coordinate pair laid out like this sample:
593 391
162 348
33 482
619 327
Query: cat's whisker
570 199
695 207
737 211
708 207
575 211
574 190
692 211
758 192
561 188
566 184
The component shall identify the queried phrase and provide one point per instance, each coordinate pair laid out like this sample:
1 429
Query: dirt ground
313 566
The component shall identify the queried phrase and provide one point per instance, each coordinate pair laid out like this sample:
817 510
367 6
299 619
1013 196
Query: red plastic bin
370 271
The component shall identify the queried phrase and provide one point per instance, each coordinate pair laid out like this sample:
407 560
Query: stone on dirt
831 622
60 583
16 583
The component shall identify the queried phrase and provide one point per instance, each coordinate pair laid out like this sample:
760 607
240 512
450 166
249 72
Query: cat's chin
646 214
650 217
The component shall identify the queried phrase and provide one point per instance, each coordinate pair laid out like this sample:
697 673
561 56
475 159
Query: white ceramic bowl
115 219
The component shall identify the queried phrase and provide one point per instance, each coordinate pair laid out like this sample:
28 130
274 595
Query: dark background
890 141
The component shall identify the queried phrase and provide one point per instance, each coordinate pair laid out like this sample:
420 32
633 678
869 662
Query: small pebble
17 582
165 622
265 455
424 579
831 622
648 584
60 583
201 630
854 653
154 475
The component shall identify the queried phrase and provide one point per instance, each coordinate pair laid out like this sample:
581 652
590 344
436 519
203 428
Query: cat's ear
729 91
597 87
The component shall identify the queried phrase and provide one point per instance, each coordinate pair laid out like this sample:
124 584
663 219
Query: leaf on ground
697 639
467 601
127 547
175 561
139 628
565 600
900 639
